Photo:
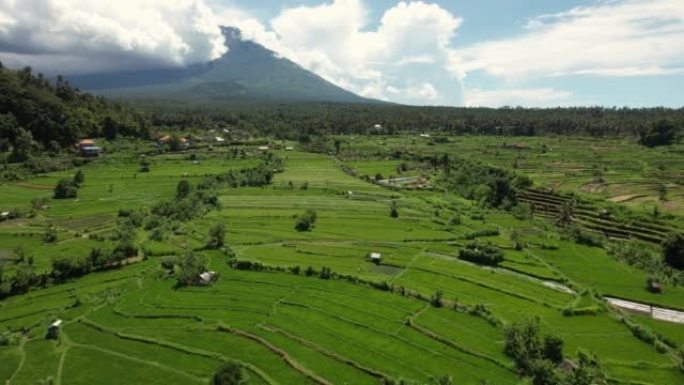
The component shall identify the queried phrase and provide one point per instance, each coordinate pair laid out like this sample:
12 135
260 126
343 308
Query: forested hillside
37 114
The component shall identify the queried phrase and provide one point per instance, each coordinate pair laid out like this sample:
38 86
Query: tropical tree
65 189
79 178
230 373
673 250
217 235
183 189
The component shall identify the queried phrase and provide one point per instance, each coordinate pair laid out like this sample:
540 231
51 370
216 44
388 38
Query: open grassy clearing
131 323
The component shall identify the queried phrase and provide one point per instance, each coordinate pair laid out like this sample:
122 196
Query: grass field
131 325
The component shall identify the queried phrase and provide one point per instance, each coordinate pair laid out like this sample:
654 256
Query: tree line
290 121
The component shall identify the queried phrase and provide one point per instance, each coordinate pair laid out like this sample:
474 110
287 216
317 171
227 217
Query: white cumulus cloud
333 40
524 97
611 38
85 35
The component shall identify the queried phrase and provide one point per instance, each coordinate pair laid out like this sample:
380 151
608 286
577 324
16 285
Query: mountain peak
231 34
249 72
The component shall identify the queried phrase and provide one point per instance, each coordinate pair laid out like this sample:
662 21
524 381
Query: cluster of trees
217 236
542 359
189 203
68 188
186 268
64 268
661 133
24 277
290 121
258 176
36 113
481 253
306 221
491 186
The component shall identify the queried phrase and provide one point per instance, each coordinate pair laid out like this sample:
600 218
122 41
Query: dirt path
139 360
22 352
60 369
658 313
281 353
333 355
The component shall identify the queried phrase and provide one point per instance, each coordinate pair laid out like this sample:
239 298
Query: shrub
229 374
306 221
183 189
522 211
482 233
436 299
584 237
65 189
484 254
553 349
455 220
325 273
50 235
79 178
394 211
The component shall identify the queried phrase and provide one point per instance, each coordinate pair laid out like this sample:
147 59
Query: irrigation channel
658 313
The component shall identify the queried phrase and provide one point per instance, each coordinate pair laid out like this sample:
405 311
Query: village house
166 139
87 147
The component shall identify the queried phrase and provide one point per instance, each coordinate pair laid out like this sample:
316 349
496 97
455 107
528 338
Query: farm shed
655 287
207 277
375 257
53 329
91 151
85 143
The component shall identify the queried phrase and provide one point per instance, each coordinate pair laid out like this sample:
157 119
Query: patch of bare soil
624 198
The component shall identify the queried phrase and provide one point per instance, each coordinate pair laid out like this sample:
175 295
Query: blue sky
500 52
537 53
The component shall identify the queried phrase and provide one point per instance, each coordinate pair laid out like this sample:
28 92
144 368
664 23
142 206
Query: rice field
132 325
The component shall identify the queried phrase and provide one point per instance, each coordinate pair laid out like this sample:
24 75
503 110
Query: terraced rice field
131 324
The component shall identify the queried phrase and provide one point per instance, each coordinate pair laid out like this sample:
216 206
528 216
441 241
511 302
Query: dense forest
38 114
292 120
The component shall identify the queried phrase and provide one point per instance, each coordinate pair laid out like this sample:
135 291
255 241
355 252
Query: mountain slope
247 73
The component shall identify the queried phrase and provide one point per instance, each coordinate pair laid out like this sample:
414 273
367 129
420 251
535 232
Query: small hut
207 278
375 257
53 329
655 287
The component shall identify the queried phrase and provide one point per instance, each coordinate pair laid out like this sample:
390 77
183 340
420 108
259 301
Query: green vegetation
484 254
673 250
473 253
306 221
38 113
229 374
